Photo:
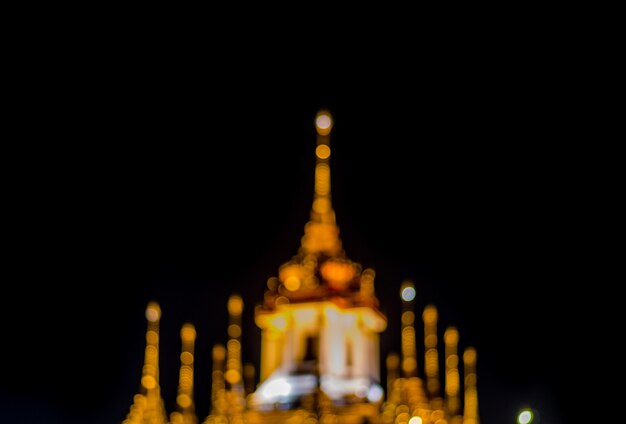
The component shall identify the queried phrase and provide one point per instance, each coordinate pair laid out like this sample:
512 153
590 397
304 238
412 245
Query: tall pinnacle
321 234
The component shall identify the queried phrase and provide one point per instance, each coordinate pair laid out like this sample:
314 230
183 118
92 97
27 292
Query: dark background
127 189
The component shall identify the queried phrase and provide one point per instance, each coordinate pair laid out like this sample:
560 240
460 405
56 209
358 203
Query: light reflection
525 416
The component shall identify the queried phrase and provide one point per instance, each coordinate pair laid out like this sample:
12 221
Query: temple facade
320 350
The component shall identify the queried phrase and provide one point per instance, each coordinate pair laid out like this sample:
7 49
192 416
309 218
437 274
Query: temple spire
148 405
321 234
185 413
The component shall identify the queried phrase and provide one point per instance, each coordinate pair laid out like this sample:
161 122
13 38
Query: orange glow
322 151
338 274
188 333
152 337
430 314
233 345
469 356
183 400
235 305
153 312
148 381
451 336
322 179
232 376
219 352
408 318
292 283
321 205
234 331
186 358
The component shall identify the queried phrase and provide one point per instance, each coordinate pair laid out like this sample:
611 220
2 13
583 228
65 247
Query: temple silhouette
320 358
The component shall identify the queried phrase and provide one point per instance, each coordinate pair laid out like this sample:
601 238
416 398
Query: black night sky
186 194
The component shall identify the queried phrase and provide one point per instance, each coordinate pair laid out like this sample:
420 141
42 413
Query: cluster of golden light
217 377
323 122
338 273
431 360
322 179
185 413
453 378
235 305
148 405
470 405
292 276
408 340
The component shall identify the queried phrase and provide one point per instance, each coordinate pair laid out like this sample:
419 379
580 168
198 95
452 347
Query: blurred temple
320 351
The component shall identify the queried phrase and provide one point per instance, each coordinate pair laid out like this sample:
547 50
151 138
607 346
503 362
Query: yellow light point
322 151
234 331
452 376
186 358
415 420
321 205
148 381
292 283
323 122
153 312
235 305
188 333
451 336
430 314
219 352
470 405
232 376
183 400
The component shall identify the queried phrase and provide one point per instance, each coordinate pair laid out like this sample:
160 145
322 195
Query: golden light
188 333
219 352
233 345
337 274
152 337
235 304
321 204
234 331
292 283
408 318
232 376
153 312
323 123
183 400
186 358
322 151
430 314
148 381
451 336
415 420
469 356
